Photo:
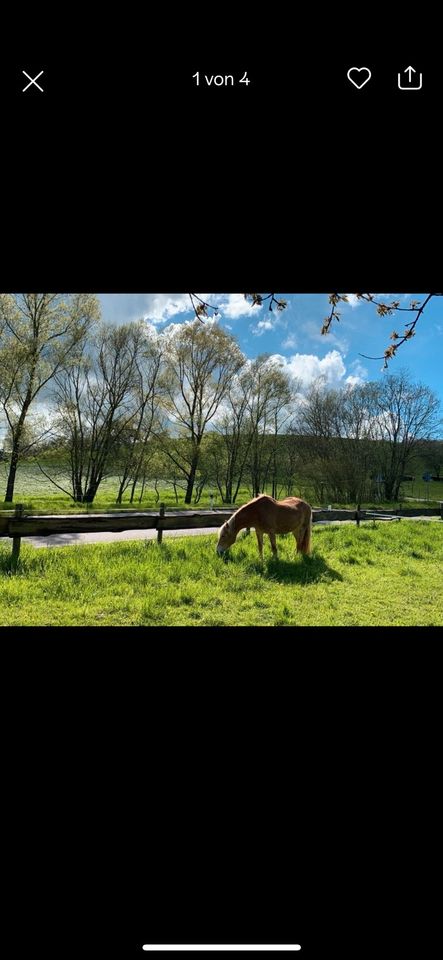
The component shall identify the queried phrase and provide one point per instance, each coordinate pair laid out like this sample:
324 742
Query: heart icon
359 82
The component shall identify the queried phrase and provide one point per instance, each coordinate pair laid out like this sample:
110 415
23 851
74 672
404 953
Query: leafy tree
270 394
39 336
201 362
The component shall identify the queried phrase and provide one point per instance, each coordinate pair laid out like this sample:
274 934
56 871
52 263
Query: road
70 539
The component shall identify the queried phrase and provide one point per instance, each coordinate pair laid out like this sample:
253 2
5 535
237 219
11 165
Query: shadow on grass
300 570
6 562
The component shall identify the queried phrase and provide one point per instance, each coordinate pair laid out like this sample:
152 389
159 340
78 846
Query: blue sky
295 334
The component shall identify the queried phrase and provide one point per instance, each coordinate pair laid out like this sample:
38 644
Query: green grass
39 496
381 574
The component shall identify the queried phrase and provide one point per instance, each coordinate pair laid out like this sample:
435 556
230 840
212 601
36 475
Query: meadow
39 496
381 574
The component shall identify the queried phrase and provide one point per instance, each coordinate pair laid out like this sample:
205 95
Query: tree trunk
9 496
134 484
123 485
389 490
143 488
78 491
15 454
191 478
90 493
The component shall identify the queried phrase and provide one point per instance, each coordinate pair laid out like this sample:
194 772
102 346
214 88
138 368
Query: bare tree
230 448
95 402
201 362
402 414
146 398
335 423
367 430
432 453
39 333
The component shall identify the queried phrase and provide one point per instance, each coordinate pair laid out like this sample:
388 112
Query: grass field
39 496
375 575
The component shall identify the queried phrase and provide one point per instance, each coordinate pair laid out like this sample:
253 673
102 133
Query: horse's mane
246 506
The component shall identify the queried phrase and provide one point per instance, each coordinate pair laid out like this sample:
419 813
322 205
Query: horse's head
226 537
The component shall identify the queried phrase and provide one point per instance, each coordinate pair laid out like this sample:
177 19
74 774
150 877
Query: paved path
70 539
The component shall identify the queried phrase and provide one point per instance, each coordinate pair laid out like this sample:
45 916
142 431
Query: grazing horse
269 516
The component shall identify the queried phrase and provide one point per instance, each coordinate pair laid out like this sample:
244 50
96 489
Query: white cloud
162 306
307 367
157 308
312 329
290 342
154 307
233 305
261 327
359 372
352 381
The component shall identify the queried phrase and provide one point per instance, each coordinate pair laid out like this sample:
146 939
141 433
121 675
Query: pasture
380 574
40 496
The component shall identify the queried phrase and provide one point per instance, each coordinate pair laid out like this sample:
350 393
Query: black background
242 786
257 786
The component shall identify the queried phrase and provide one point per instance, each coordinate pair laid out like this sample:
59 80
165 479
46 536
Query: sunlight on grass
374 575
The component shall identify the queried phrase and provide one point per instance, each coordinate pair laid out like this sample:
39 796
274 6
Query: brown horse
269 516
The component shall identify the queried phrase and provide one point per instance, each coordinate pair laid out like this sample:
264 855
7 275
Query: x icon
32 79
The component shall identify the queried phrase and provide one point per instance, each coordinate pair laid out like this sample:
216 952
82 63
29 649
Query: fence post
357 515
160 531
16 541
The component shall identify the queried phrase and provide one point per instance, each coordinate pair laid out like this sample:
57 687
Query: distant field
381 575
40 496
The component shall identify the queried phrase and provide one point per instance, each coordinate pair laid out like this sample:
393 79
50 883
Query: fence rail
20 524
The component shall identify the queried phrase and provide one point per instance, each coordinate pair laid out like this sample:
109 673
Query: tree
270 394
336 440
291 462
432 453
95 400
315 426
201 361
384 309
416 308
230 447
402 414
39 334
133 454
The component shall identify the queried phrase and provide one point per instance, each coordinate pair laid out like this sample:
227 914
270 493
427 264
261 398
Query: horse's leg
260 542
297 546
273 544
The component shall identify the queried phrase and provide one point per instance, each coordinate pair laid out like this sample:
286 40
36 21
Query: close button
32 81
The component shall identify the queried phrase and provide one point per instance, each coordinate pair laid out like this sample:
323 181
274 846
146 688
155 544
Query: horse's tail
305 543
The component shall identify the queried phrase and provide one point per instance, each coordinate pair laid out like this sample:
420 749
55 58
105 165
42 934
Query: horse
270 516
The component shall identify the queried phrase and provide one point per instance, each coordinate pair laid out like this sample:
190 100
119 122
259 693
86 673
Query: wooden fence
19 524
